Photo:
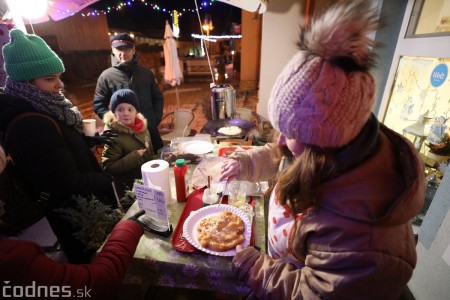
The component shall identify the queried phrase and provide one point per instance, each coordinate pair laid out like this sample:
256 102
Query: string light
128 4
213 38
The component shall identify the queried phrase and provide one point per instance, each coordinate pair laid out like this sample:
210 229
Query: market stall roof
56 10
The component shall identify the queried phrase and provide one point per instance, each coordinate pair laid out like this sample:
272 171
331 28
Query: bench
197 67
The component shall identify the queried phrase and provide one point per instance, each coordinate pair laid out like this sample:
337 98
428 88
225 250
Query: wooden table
157 263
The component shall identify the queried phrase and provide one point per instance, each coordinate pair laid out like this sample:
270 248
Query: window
430 18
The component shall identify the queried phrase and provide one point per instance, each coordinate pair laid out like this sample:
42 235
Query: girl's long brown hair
298 184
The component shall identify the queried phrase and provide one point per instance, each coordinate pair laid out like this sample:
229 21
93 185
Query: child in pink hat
339 215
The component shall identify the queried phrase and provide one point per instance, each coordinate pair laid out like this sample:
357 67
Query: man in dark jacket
125 73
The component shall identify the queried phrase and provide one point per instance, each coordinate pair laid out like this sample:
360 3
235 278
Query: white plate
190 225
197 147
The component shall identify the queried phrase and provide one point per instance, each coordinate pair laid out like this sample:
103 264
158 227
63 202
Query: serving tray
193 203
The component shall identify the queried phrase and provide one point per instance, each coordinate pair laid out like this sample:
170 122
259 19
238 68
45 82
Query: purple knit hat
317 99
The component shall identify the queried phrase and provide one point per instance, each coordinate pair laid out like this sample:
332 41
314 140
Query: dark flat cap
122 40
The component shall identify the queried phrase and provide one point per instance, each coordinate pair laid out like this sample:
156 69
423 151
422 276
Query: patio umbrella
172 70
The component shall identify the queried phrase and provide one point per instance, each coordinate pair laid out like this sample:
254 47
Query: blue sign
439 75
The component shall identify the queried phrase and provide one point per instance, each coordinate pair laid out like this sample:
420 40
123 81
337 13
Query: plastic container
209 197
237 193
181 181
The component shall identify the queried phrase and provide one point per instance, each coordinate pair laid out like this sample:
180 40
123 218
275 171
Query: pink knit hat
325 94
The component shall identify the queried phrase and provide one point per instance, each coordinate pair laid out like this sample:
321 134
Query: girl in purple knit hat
339 215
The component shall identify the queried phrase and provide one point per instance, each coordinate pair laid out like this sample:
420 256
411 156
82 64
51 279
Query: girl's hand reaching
230 169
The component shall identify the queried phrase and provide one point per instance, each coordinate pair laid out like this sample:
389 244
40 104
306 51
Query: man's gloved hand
107 137
151 225
136 216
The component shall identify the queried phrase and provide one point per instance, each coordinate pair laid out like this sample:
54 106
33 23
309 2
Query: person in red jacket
26 271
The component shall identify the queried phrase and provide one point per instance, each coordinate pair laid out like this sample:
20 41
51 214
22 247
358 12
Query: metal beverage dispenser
223 102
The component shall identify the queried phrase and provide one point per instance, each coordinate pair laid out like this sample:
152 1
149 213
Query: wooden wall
83 45
76 33
250 50
81 42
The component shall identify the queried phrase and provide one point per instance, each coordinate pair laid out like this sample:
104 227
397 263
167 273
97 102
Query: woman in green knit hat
54 161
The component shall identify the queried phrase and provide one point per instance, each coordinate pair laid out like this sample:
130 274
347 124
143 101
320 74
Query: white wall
280 33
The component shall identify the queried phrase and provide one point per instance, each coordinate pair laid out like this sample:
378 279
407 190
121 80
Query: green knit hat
27 57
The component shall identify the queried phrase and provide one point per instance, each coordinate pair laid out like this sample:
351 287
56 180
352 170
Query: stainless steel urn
223 102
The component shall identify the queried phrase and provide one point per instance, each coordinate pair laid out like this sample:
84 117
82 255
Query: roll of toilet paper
155 174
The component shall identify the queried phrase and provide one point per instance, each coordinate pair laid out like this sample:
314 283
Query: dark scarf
55 105
362 147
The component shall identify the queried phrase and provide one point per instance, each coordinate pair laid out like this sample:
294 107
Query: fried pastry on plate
221 232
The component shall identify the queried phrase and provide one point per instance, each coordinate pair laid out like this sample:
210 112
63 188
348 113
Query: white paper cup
89 127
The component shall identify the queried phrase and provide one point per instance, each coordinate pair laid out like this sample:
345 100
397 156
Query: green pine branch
93 219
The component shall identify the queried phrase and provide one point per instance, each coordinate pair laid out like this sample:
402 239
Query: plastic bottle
181 180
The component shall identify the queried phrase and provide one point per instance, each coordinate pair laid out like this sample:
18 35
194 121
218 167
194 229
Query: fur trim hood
111 123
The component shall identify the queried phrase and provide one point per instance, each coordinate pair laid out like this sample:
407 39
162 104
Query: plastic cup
237 193
209 197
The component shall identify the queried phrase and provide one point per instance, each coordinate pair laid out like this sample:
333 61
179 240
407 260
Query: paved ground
194 95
